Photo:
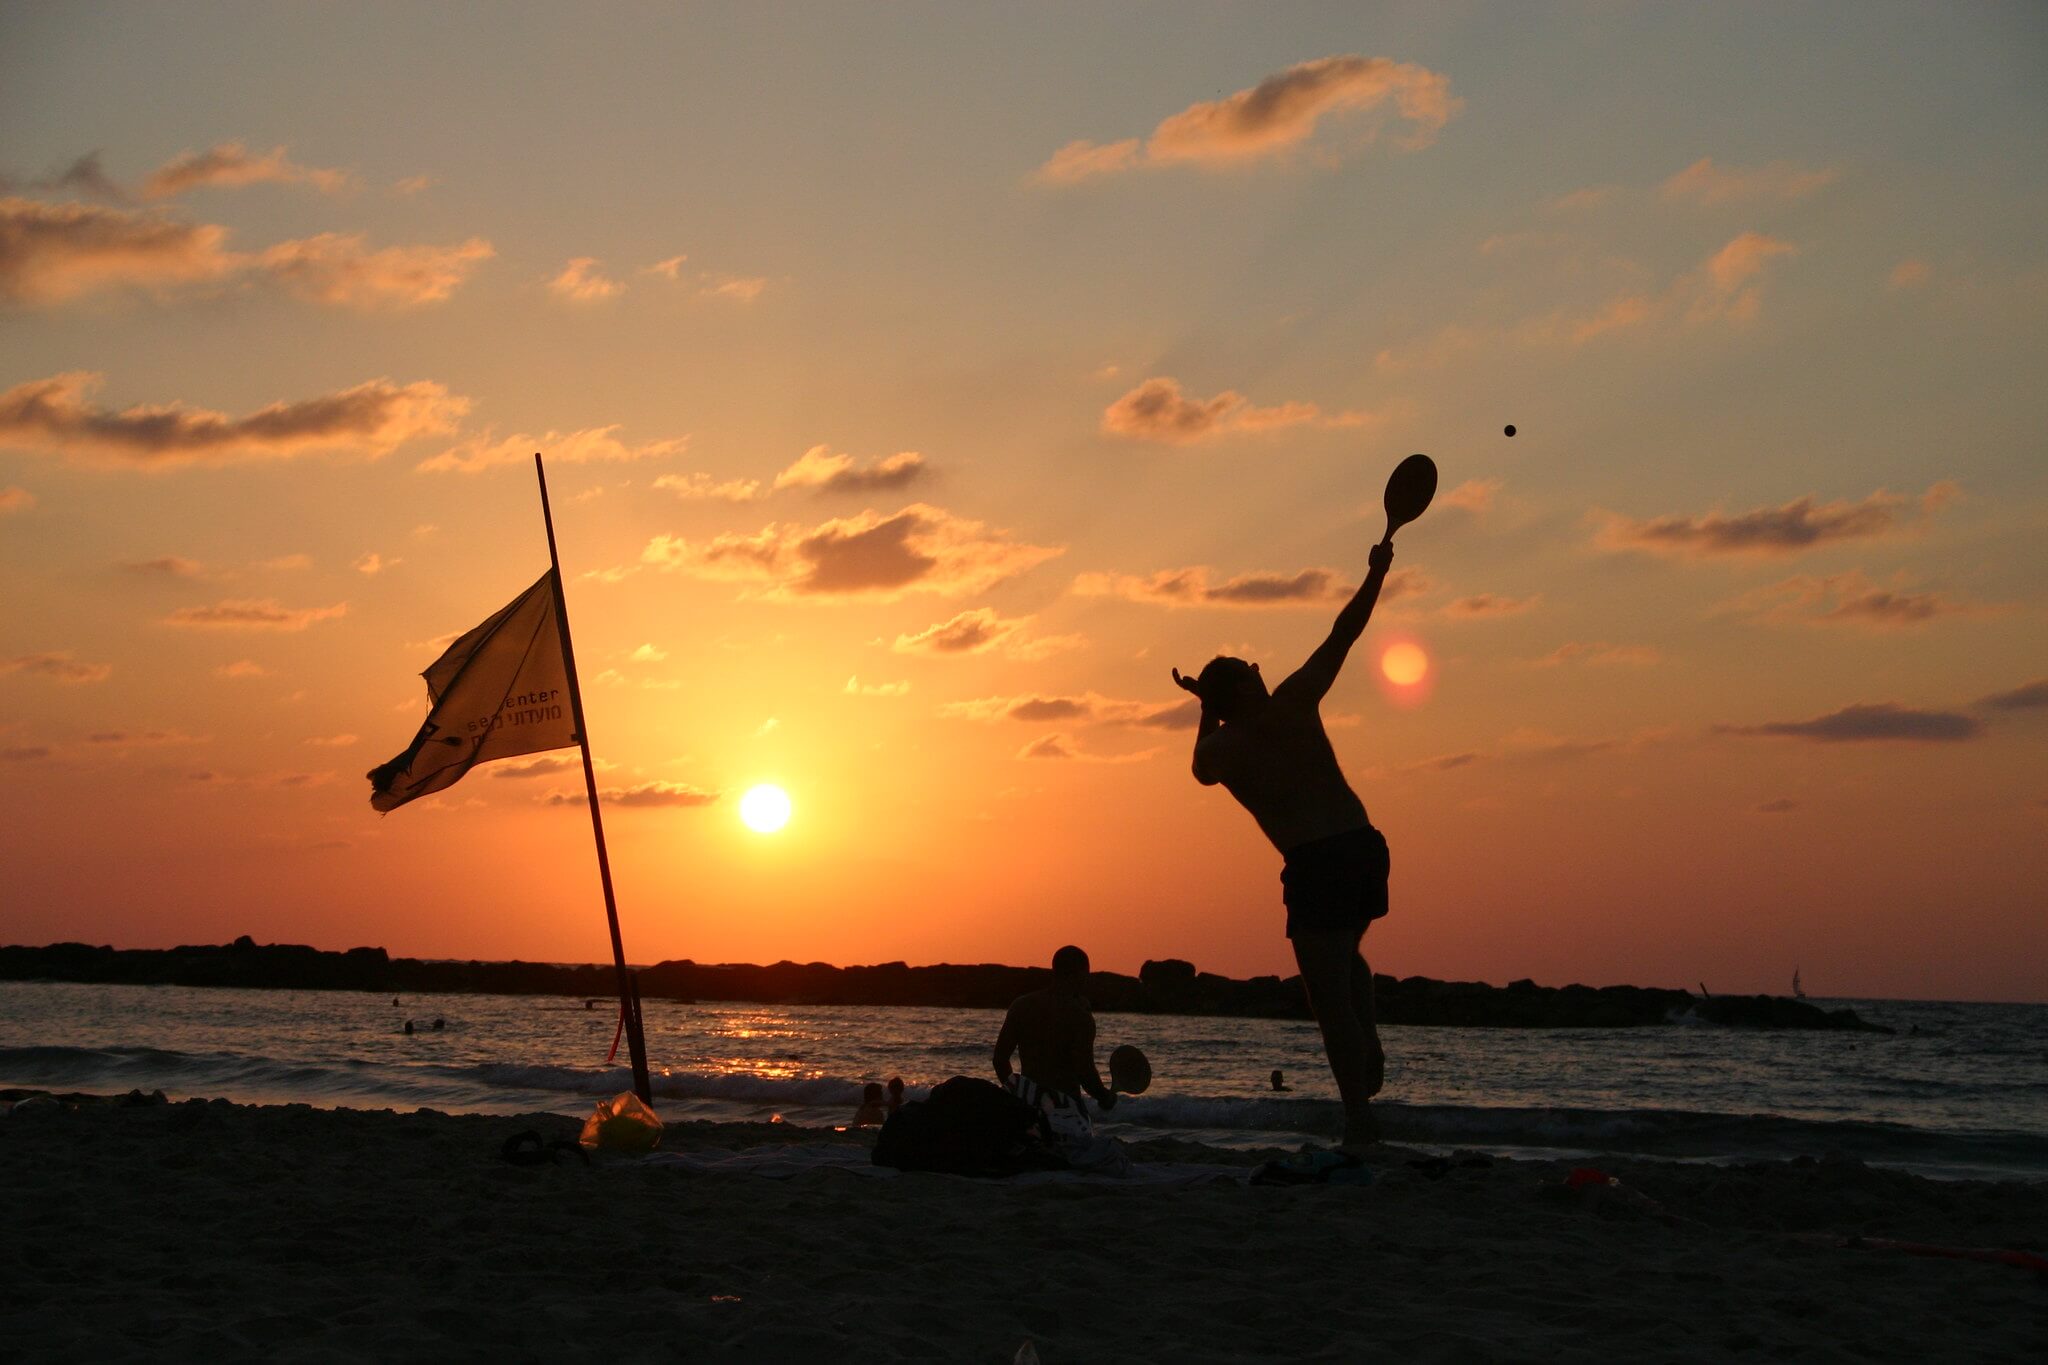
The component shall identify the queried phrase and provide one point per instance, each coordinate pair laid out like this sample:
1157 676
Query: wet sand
239 1232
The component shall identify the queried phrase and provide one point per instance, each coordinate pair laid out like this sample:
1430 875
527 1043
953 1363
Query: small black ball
1509 429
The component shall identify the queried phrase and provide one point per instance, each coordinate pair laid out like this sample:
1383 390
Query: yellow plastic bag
622 1124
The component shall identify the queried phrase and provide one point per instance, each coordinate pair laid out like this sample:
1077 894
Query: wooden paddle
1409 490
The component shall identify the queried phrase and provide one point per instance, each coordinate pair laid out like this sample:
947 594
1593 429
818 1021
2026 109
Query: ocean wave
501 1087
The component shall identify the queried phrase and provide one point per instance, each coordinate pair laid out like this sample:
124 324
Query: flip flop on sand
1314 1166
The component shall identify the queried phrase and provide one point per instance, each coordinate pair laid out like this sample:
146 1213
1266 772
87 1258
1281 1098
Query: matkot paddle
1409 490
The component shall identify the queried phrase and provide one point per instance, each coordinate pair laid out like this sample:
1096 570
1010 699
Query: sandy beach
238 1232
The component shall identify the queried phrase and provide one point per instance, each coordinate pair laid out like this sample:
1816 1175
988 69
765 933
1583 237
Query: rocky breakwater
1166 986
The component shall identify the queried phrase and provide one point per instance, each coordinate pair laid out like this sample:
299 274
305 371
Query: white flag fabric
499 691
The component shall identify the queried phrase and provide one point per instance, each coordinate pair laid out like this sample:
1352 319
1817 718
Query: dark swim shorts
1338 882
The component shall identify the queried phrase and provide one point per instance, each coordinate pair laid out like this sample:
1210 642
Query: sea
1958 1091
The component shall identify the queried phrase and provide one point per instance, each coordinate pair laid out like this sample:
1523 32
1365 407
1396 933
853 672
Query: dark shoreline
1170 986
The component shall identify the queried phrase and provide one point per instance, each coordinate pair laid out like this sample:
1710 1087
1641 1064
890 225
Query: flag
499 691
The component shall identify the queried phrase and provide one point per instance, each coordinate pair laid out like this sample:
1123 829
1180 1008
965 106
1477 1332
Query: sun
765 809
1404 664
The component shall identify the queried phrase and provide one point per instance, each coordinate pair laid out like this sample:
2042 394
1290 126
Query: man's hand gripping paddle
1409 490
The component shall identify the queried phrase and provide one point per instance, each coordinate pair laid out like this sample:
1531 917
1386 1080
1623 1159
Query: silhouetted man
1270 752
1053 1030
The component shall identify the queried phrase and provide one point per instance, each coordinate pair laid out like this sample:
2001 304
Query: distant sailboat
1797 994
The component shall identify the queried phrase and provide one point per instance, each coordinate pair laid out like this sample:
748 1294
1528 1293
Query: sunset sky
919 383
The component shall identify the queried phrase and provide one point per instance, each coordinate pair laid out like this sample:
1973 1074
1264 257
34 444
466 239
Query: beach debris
623 1123
528 1148
1313 1166
2019 1260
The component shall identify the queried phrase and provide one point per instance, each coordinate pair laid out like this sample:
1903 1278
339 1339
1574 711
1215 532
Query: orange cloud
53 252
1157 410
591 445
1473 495
1270 119
1787 529
336 268
15 498
59 665
979 630
1869 722
1191 587
856 688
1909 274
230 165
1705 183
1486 604
918 549
1597 655
581 281
646 795
822 471
253 614
369 419
740 288
701 486
1088 707
1848 599
242 668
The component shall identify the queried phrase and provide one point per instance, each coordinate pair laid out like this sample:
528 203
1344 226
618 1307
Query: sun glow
765 809
1404 664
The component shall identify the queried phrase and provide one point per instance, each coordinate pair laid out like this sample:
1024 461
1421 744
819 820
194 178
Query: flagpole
636 1041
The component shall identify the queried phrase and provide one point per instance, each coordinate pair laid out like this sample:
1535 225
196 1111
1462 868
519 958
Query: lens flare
765 809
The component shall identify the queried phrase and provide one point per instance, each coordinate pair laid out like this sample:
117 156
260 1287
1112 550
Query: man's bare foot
1361 1132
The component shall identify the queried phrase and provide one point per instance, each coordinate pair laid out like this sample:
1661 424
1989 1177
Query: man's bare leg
1362 1006
1326 962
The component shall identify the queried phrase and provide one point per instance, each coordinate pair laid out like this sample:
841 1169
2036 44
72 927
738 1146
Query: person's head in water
1230 688
1069 969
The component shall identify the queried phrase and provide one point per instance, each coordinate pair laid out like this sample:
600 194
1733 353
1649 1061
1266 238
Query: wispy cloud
1473 495
339 269
59 665
370 419
1705 183
145 739
1157 410
819 470
1779 806
1191 587
2031 696
1786 529
646 795
590 445
738 288
52 253
1877 721
15 498
582 280
1089 707
165 566
231 165
981 629
1848 599
1910 273
918 549
855 687
1598 654
253 614
1062 747
700 486
1488 604
331 741
242 668
1273 118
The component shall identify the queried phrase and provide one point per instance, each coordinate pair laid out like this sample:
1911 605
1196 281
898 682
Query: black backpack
966 1127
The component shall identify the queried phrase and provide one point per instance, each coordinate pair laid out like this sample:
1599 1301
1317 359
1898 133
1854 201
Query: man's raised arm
1204 772
1315 677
